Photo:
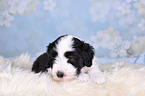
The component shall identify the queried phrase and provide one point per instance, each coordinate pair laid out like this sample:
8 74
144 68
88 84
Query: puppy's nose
60 74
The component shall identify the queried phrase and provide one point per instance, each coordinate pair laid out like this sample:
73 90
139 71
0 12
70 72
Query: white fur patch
64 45
84 77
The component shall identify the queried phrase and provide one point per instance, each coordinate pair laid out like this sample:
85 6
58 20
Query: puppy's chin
66 78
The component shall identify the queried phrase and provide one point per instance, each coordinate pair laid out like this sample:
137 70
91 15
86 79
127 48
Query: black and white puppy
68 58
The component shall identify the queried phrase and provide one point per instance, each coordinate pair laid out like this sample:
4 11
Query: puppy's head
66 56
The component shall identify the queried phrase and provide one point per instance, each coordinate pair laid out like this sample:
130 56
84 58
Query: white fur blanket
16 79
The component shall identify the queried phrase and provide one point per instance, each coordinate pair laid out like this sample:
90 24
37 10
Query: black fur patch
85 50
82 56
46 60
74 59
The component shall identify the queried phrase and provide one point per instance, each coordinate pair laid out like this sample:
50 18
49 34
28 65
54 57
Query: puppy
68 58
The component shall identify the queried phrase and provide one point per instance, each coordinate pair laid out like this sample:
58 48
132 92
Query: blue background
116 28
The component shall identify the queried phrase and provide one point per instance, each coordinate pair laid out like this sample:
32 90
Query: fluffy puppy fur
68 58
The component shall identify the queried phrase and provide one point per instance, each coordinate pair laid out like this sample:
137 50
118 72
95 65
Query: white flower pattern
18 6
5 18
97 14
119 47
129 1
137 46
49 5
141 7
142 25
100 40
124 8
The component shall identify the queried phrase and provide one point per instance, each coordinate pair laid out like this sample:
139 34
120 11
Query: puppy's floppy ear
87 54
41 63
45 61
85 50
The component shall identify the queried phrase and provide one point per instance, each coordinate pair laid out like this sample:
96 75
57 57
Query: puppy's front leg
95 74
83 77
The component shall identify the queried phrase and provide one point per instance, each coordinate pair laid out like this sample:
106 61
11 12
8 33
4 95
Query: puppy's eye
53 53
69 57
69 54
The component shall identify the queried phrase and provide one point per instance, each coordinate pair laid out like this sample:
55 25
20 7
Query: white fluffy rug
16 79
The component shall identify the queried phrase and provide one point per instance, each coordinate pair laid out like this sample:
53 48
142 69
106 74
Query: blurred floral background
116 28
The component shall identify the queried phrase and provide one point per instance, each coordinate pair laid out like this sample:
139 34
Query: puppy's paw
98 78
83 77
